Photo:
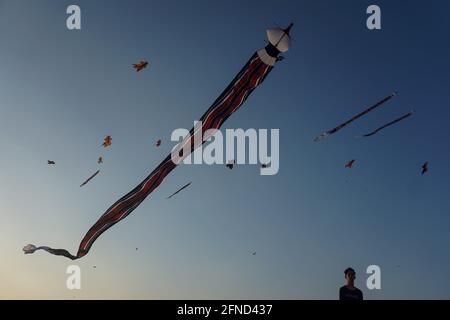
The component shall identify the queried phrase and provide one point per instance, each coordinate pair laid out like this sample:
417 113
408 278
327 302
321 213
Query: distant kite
50 162
254 253
158 143
350 164
183 187
141 65
107 141
389 124
251 75
90 178
359 115
100 160
230 164
425 167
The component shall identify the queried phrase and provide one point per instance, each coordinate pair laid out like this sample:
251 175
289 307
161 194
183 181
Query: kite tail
321 136
359 115
389 124
30 248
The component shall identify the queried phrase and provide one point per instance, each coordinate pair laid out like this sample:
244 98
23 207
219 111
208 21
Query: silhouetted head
350 275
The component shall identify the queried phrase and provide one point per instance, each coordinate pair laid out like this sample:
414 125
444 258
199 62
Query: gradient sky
62 91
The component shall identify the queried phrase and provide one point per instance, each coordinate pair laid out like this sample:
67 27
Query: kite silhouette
359 115
350 164
389 124
107 141
140 66
90 178
183 187
50 162
230 164
425 167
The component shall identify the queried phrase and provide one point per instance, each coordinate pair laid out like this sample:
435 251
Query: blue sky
62 91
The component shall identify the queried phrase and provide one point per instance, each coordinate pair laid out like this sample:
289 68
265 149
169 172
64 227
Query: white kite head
29 248
280 38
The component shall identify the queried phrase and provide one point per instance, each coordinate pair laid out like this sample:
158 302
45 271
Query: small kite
254 72
254 253
230 164
50 162
425 167
141 65
183 187
389 124
100 160
90 178
350 164
107 141
158 143
359 115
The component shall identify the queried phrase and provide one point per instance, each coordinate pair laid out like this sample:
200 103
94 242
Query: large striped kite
250 76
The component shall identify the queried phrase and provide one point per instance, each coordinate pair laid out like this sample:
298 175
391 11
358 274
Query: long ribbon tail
30 248
250 76
90 178
179 190
359 115
389 124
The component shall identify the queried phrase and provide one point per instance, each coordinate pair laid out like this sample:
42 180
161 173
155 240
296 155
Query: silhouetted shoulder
350 294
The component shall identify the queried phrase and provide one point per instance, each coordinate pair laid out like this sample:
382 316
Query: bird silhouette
425 167
50 162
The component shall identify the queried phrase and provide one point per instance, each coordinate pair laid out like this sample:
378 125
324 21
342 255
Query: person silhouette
349 291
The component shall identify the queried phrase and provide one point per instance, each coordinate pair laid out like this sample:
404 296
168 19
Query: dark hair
349 270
